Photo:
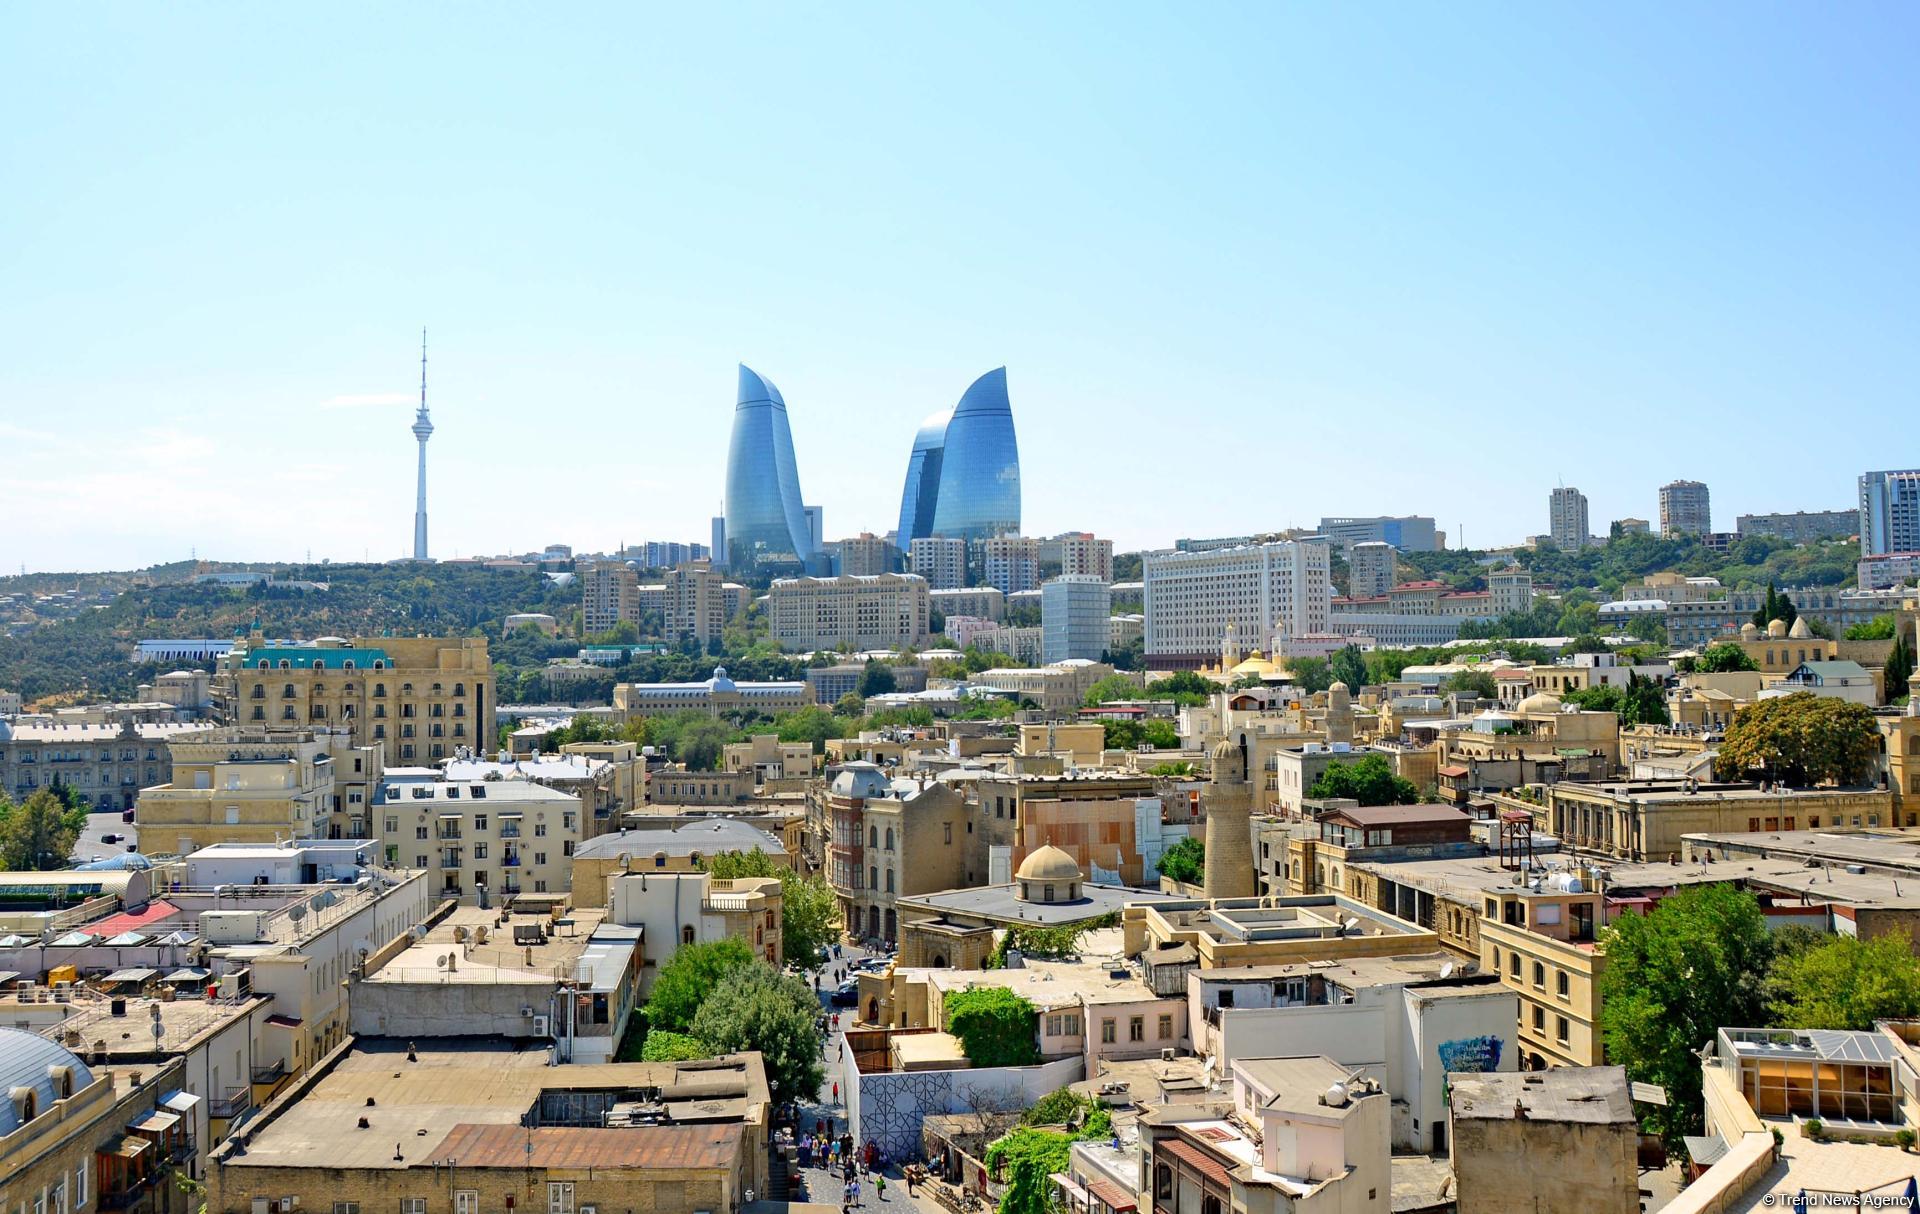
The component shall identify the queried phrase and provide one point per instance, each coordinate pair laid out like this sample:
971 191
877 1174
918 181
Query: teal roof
301 657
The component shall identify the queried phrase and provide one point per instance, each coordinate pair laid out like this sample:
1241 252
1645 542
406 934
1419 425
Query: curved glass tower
765 516
963 478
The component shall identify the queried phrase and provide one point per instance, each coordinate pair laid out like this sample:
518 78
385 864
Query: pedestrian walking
880 1186
836 1093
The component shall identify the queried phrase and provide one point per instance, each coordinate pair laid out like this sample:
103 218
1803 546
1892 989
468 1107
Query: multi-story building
1511 590
1685 509
942 562
1889 512
1012 563
696 604
1567 522
484 839
981 602
1074 608
1370 569
1408 533
1541 938
1887 571
1582 1118
1061 687
609 595
1021 644
417 698
242 786
1192 598
829 683
1703 623
675 909
107 763
963 475
886 611
874 824
1802 526
766 519
866 554
716 696
1079 552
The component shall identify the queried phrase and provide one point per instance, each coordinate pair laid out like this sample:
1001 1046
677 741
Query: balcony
126 1198
264 1075
235 1102
510 860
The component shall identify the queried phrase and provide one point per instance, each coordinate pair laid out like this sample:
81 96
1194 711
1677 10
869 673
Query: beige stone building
1059 687
696 603
1555 1142
106 763
772 762
609 595
1542 939
418 699
239 785
716 696
1644 820
883 611
483 839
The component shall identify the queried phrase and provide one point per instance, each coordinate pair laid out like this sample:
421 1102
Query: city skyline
1321 242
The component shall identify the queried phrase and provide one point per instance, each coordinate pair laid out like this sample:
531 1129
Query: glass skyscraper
963 478
765 519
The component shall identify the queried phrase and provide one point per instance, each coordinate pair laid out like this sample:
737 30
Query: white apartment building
883 611
501 836
942 562
1191 597
1685 509
986 602
1512 590
1370 570
1013 563
1567 519
1073 618
1889 512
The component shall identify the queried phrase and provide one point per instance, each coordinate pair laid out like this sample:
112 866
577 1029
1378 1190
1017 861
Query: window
889 880
1560 1029
1560 984
1166 1028
1107 1031
1539 1019
1163 1182
1513 964
949 828
560 1197
1137 1028
1539 974
346 1207
80 1186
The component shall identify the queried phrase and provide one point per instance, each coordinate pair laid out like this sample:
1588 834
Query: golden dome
1539 701
1776 629
1048 863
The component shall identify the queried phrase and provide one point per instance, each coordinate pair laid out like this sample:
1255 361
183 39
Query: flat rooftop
924 1049
1002 903
1051 984
185 1023
498 960
1661 791
435 1104
1840 1168
1352 972
1298 1084
1278 921
1595 1095
1892 848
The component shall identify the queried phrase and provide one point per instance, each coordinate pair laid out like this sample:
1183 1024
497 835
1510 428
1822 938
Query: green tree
994 1025
1898 673
1185 861
1802 739
809 912
813 725
756 1008
1113 687
1473 682
850 705
1598 698
1183 687
1775 606
1644 702
1879 628
1349 666
1844 982
1723 658
39 833
1025 1159
1159 733
1369 781
1310 674
689 976
1673 978
663 1045
876 679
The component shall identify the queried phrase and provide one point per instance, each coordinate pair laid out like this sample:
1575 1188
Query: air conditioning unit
1168 1053
526 1010
540 1026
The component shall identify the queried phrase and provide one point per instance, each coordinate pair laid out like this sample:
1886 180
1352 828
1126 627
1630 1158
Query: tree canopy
1842 982
1802 739
689 976
1185 861
1157 732
38 834
757 1008
1722 659
809 912
1310 674
995 1026
1369 780
1349 665
876 679
1673 978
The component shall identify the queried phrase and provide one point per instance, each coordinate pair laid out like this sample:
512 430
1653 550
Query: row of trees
1703 960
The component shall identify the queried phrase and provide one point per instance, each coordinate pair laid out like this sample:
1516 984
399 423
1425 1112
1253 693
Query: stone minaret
422 431
1229 841
1339 713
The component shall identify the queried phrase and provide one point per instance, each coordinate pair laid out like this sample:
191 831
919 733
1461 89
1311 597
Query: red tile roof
1202 1161
155 912
1112 1194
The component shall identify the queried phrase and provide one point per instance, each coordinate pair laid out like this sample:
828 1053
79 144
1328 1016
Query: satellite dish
440 961
297 911
1446 971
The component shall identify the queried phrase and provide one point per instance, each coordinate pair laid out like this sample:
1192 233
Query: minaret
422 431
1228 868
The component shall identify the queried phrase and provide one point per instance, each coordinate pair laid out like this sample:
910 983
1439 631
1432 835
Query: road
91 846
829 1107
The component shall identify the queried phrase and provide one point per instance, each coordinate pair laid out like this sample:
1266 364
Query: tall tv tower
422 431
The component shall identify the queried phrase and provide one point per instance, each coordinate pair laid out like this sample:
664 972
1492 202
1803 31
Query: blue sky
1246 265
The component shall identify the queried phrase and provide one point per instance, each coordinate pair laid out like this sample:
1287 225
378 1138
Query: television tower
422 431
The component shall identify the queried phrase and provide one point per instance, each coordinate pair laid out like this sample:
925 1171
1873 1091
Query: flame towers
963 478
765 516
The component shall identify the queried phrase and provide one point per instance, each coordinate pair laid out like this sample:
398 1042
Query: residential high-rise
1511 590
609 593
1074 609
765 517
1409 532
1567 519
1370 568
943 562
1080 552
866 554
422 431
888 611
719 538
1012 563
1685 509
696 606
1260 589
963 477
1889 512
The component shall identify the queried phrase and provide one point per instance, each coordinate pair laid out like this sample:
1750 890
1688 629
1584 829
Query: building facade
609 595
1080 553
1802 526
1567 523
963 476
695 606
106 763
1889 512
866 554
1073 618
1685 509
1408 533
1193 597
942 562
1012 563
765 516
886 611
1370 569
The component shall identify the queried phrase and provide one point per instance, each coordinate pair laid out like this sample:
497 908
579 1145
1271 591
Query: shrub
994 1025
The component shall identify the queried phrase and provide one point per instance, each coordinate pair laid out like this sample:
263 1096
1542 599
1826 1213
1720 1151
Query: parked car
847 994
109 838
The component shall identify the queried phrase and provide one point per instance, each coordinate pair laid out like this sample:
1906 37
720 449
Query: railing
235 1102
122 1199
270 1073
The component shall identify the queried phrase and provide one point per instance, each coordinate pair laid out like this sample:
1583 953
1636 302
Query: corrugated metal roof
24 1059
1204 1162
667 1146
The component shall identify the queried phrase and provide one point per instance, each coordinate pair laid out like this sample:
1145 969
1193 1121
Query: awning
182 1101
126 940
1115 1197
126 1147
156 1122
511 813
1075 1194
133 975
1453 772
456 817
188 974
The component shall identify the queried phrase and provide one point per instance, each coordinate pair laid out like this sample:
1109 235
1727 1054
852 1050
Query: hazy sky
1245 266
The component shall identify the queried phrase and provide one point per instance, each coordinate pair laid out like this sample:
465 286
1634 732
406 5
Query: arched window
873 876
889 838
686 934
873 836
889 880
